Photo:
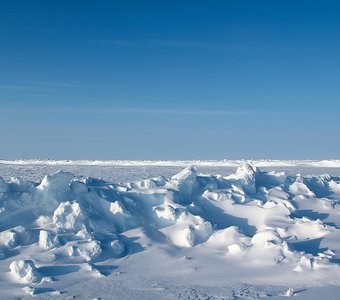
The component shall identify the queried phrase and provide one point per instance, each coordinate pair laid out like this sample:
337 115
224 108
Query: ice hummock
25 271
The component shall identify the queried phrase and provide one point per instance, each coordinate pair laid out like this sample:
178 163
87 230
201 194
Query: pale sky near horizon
169 79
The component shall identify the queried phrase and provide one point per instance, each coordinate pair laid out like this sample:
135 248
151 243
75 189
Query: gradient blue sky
169 79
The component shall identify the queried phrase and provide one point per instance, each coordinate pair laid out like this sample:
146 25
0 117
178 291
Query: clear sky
170 79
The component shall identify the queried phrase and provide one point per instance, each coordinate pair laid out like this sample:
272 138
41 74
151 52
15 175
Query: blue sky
169 79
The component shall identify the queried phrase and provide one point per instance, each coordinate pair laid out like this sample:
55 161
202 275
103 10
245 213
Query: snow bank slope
267 222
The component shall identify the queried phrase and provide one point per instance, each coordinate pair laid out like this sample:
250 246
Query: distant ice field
122 171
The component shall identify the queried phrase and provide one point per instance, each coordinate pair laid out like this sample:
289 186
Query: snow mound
192 234
68 216
265 238
25 271
47 240
58 182
89 250
14 237
230 239
185 183
245 178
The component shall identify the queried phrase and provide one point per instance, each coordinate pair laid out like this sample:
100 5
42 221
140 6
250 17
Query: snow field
67 224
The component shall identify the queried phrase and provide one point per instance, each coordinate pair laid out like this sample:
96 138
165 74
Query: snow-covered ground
169 230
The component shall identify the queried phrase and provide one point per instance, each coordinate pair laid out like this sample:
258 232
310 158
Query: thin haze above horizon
169 79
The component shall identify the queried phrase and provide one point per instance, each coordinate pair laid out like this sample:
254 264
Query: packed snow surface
244 235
